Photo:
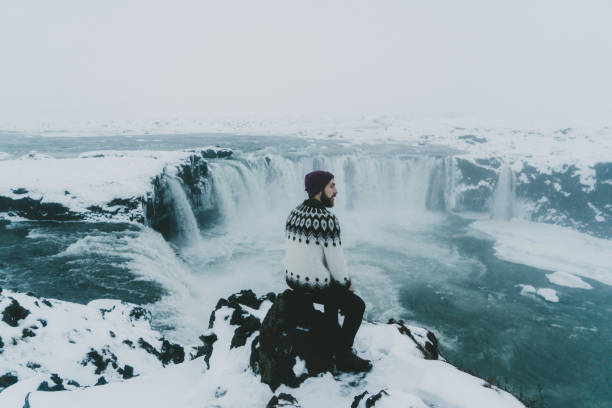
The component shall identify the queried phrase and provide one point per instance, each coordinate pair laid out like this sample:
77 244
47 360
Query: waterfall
250 192
441 188
256 185
186 223
502 204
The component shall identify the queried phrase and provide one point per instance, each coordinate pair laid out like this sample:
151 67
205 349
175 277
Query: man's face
329 193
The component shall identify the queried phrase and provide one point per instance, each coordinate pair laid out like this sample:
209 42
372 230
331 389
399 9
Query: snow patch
550 247
94 179
567 280
57 336
300 367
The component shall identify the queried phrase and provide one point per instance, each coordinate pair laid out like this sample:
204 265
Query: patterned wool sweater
313 251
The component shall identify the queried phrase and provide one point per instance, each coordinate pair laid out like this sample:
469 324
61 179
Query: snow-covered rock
99 185
220 372
67 346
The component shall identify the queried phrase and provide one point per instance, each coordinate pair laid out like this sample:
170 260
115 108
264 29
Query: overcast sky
113 59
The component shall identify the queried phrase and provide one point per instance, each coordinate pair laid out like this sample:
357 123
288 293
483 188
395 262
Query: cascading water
503 201
186 223
261 185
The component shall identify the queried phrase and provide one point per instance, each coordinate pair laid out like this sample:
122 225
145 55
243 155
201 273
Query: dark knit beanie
315 181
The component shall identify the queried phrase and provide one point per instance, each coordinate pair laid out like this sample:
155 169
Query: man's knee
361 304
357 304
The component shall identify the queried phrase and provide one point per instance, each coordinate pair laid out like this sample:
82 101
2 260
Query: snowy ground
399 367
89 180
56 337
93 179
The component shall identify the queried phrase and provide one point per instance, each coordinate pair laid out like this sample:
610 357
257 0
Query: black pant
352 307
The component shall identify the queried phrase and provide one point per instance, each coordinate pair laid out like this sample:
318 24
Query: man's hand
351 288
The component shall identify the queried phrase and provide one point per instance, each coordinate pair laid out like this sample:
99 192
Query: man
315 265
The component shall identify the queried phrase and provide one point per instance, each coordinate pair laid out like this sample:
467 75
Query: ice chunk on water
550 247
545 293
568 280
548 294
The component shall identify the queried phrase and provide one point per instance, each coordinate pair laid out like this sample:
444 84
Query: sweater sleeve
334 259
336 264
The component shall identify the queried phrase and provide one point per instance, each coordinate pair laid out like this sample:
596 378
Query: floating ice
546 293
550 247
568 280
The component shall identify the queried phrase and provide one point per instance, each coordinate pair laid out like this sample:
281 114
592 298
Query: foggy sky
115 59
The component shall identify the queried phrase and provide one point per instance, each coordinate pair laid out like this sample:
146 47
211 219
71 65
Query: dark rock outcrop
246 326
171 352
37 210
292 329
282 400
370 401
7 380
13 313
168 353
139 312
205 350
247 323
57 381
428 347
99 360
127 371
119 206
27 332
218 153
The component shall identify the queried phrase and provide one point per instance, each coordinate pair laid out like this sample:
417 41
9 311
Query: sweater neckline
313 202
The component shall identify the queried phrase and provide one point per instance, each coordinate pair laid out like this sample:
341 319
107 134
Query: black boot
346 360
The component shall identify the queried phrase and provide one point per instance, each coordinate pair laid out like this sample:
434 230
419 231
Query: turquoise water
489 329
34 258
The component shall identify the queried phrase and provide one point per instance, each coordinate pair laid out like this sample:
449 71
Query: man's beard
326 200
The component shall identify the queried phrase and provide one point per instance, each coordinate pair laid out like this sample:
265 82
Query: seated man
315 266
